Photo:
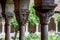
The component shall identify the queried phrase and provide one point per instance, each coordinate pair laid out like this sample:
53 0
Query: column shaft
3 26
21 11
17 14
44 32
7 31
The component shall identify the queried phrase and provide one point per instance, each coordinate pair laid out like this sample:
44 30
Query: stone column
0 22
0 17
21 12
44 9
7 15
26 25
17 14
37 25
56 25
3 26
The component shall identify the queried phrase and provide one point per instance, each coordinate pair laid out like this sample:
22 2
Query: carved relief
24 15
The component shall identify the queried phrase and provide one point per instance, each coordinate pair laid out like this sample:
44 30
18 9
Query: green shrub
57 17
32 16
32 37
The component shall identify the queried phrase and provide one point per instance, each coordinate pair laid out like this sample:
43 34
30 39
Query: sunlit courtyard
30 20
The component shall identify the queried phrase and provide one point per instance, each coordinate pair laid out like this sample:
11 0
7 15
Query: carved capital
24 15
25 10
44 17
44 12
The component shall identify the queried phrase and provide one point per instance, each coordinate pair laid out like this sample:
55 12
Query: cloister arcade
44 10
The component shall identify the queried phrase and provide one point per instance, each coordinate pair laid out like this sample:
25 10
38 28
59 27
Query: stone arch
52 24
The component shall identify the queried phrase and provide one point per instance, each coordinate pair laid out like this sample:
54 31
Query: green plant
15 25
2 38
32 36
57 17
15 39
32 16
14 22
56 36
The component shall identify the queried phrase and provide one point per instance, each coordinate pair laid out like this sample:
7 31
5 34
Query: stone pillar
24 12
7 15
3 26
3 4
17 14
56 26
0 23
37 25
21 12
26 25
44 9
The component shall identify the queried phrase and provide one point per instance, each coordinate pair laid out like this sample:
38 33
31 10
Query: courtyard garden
32 19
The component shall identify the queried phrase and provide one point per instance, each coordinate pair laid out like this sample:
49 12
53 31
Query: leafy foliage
57 17
32 36
14 22
32 16
15 25
56 36
15 39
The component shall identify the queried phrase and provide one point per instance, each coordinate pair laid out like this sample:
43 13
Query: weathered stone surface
52 25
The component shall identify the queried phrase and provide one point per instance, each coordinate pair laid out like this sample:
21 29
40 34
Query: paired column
3 4
7 15
44 9
21 12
